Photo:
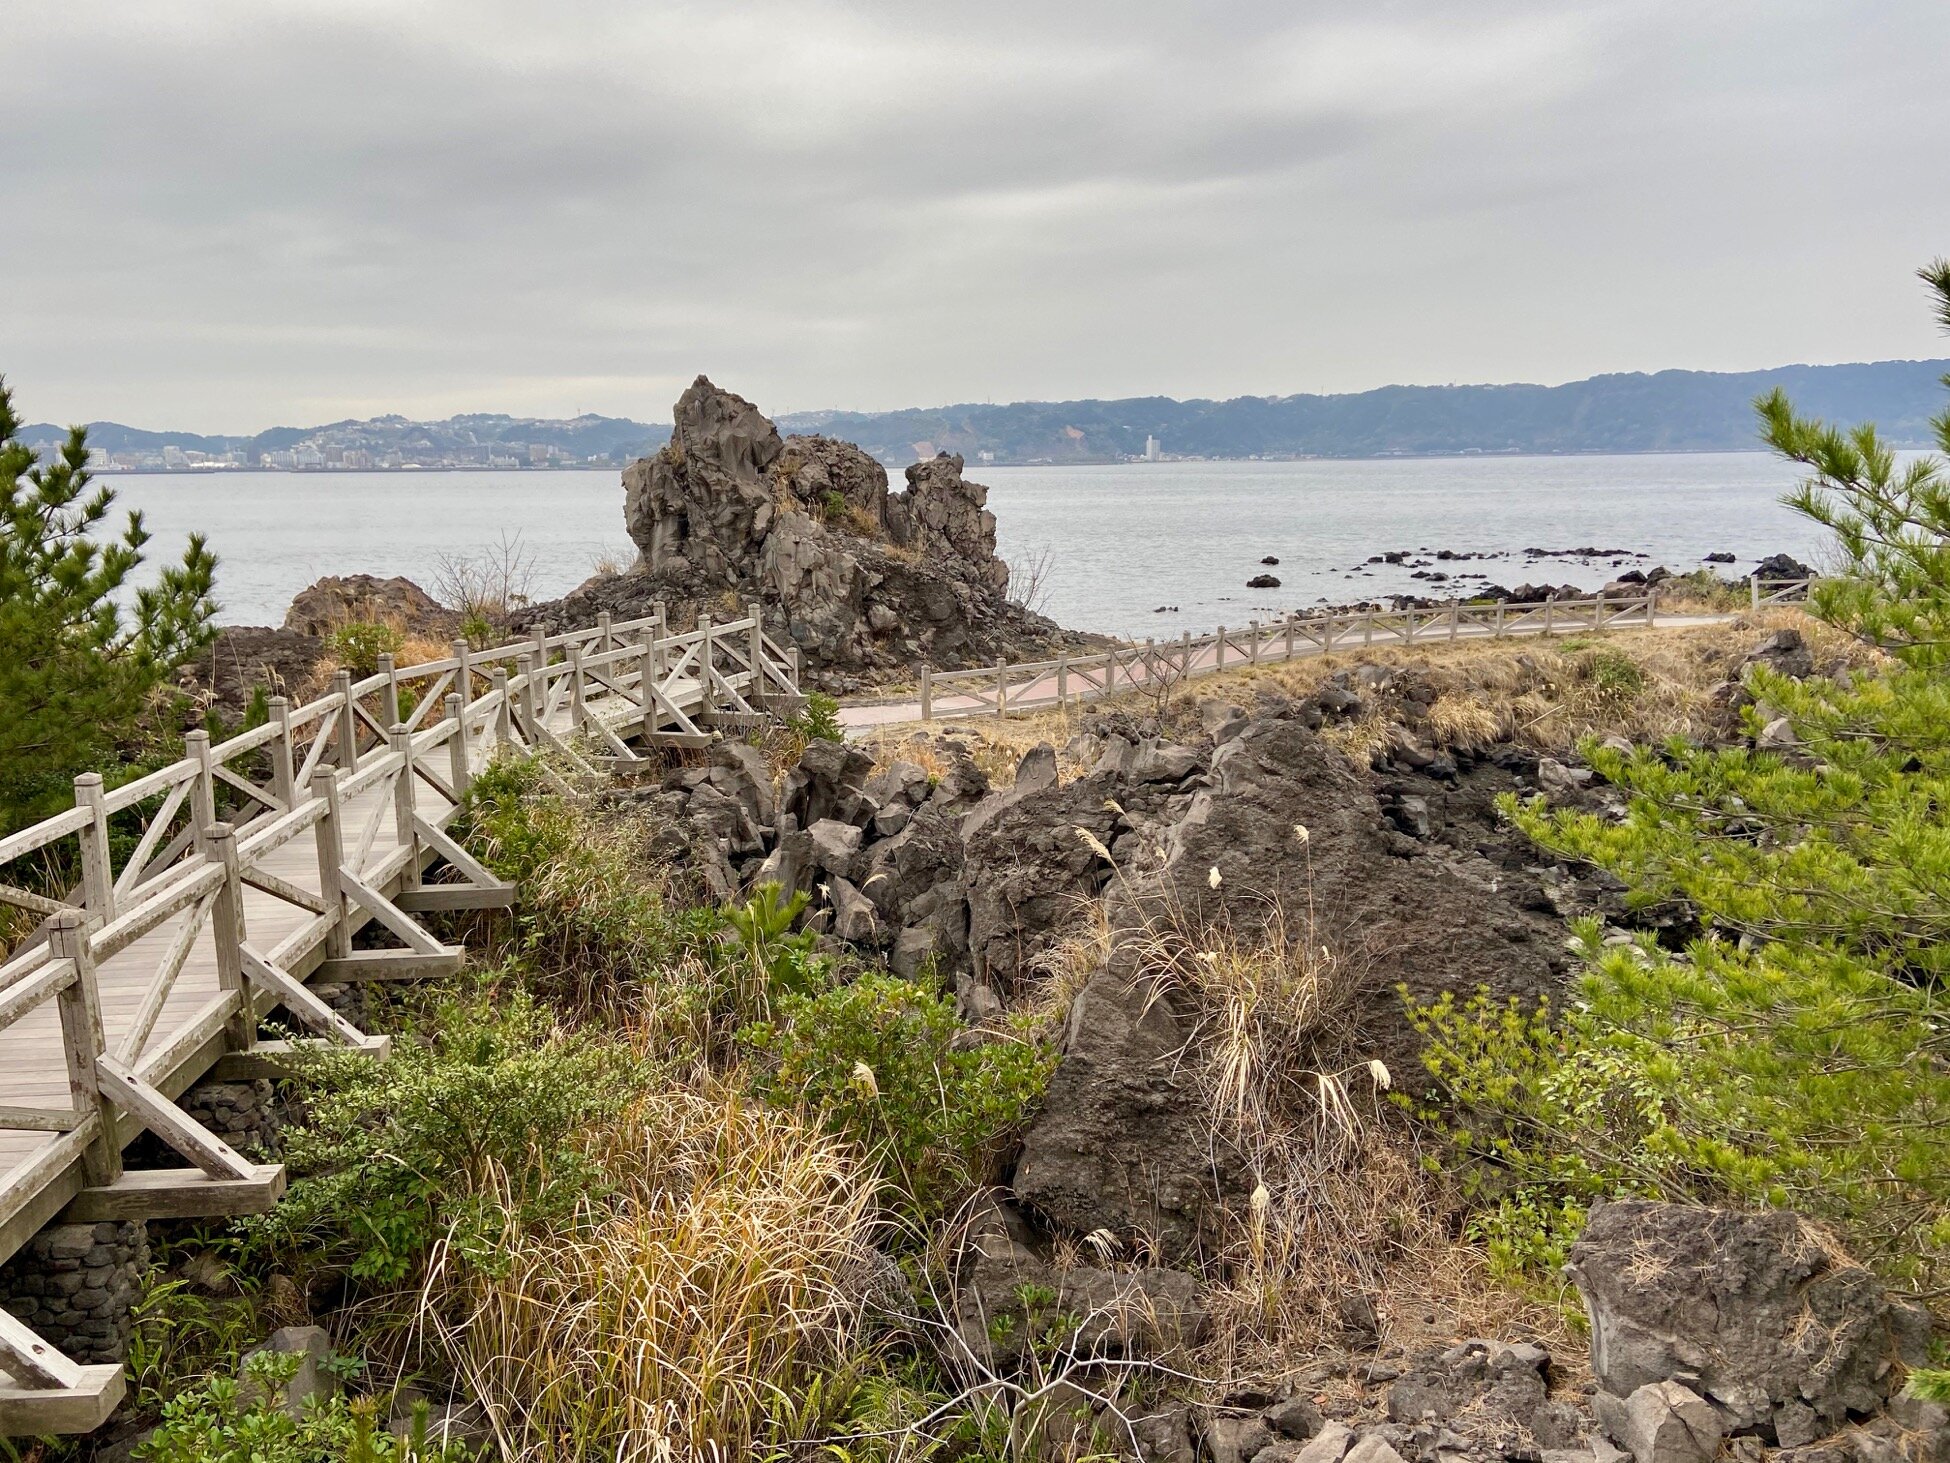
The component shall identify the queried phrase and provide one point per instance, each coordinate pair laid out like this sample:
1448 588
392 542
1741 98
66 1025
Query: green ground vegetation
623 1178
1795 1050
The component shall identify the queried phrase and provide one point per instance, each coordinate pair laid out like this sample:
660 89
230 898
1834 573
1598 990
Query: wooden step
455 896
392 964
693 740
178 1193
275 1059
31 1412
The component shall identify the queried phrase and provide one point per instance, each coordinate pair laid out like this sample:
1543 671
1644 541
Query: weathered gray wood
388 913
97 878
79 1003
169 1123
392 965
33 1361
436 897
284 773
129 1049
227 934
459 769
41 1119
331 856
298 999
275 1059
178 1193
39 1411
348 722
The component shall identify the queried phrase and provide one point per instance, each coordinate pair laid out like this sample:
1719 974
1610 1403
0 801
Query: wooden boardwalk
211 891
1161 666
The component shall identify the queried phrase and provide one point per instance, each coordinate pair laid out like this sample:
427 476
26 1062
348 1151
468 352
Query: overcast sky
225 214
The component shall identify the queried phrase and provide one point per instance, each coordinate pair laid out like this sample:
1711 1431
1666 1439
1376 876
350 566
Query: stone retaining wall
77 1285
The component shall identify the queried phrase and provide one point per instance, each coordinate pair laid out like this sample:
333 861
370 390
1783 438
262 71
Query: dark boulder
1124 1142
1757 1312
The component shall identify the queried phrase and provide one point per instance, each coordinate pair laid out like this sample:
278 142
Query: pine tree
82 649
1797 1052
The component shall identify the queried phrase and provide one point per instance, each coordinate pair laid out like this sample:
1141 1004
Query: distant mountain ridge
1666 411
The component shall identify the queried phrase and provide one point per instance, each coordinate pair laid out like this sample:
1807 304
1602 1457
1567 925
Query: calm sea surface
1120 541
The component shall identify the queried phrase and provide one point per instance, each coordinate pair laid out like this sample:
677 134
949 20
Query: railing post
1184 655
1499 619
399 741
1651 607
526 668
1219 650
1252 650
97 869
603 641
503 718
81 1042
284 770
1367 625
227 934
331 854
649 675
758 686
203 791
464 674
578 708
798 669
1289 636
459 764
1753 588
1062 680
927 692
1110 671
1455 617
1550 610
541 646
1150 663
348 720
389 698
1001 688
707 691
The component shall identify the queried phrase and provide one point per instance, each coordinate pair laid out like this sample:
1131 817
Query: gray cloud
229 213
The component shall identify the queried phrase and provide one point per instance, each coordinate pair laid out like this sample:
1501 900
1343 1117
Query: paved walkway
1040 693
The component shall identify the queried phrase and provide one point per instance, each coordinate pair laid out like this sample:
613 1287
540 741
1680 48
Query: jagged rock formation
1714 1333
867 582
1772 1329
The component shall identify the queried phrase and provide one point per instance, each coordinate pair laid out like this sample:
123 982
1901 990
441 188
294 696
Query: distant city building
175 458
1150 449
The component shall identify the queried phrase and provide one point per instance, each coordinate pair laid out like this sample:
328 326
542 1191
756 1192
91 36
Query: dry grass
691 1314
1345 1218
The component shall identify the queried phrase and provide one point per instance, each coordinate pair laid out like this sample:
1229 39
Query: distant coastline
1611 415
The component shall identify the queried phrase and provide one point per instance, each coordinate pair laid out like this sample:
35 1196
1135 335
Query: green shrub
877 1061
358 644
474 1121
592 925
1796 1053
82 649
819 719
223 1422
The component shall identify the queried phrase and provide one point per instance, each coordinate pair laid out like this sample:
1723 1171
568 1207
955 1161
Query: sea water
1117 542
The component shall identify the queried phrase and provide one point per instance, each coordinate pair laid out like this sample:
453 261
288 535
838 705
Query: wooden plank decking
257 862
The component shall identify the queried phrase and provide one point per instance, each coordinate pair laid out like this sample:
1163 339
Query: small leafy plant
878 1061
358 644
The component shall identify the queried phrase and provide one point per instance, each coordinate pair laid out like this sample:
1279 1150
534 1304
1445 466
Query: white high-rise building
1150 449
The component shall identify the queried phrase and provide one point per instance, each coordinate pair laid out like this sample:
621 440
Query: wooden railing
1158 665
384 760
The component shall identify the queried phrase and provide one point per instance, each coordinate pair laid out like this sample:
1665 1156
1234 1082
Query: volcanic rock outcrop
866 581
